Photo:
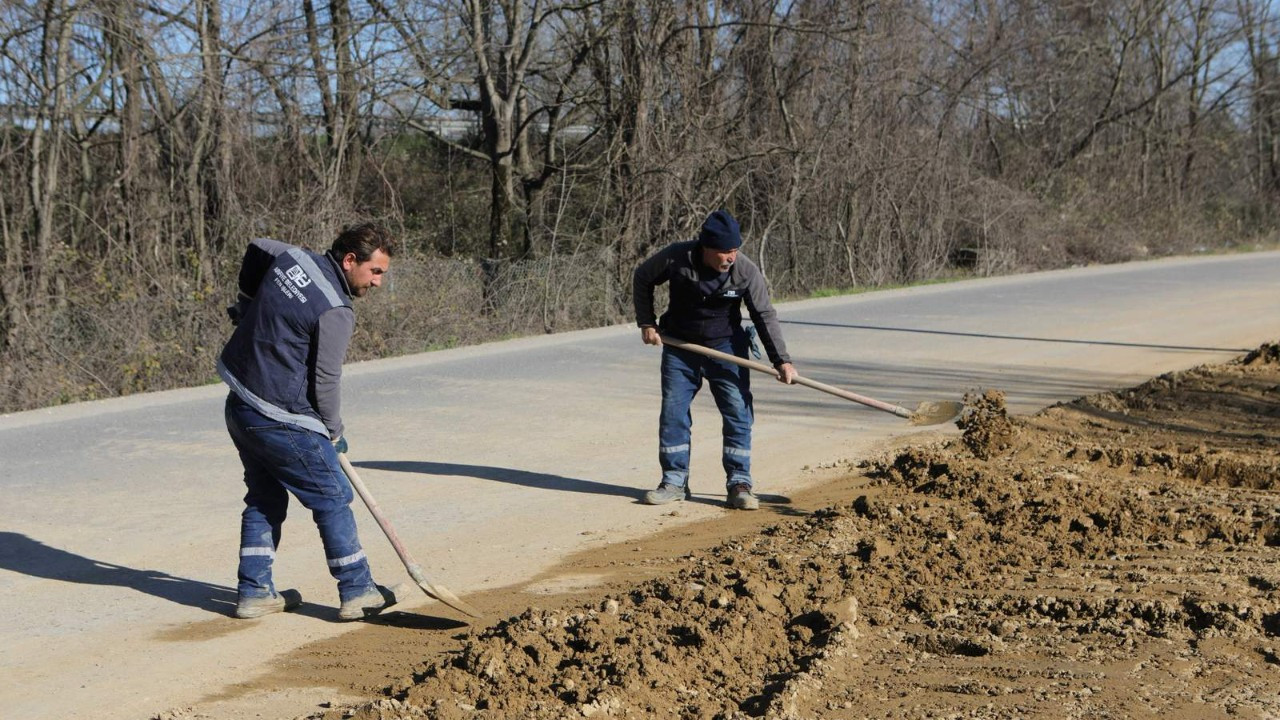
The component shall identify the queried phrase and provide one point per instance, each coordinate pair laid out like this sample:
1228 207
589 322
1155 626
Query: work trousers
682 374
280 459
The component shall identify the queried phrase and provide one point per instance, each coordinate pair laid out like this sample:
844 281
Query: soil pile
1111 557
985 423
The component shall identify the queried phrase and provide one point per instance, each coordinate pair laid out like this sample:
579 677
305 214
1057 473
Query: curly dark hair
364 239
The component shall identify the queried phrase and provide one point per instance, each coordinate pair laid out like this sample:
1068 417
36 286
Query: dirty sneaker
372 602
255 607
740 497
666 493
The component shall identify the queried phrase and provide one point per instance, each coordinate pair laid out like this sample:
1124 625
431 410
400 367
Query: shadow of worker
542 481
21 554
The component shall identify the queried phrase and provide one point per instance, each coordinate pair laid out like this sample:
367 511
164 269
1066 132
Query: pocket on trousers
319 469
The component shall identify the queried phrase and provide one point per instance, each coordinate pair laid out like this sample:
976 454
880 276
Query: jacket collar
337 269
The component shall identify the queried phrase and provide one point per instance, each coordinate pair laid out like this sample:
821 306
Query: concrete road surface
118 547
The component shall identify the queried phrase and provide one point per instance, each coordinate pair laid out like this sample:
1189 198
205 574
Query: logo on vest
298 276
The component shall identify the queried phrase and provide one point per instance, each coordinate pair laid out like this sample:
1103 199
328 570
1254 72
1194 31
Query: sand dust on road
1116 556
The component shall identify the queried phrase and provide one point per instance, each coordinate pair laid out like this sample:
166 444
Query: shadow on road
544 481
415 621
908 385
993 336
22 554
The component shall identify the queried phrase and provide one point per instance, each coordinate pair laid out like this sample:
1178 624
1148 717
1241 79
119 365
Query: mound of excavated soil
985 424
1110 557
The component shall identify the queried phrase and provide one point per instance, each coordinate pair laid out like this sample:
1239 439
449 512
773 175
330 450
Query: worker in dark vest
294 320
709 282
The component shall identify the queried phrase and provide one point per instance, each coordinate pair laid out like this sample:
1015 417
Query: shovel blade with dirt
434 591
926 413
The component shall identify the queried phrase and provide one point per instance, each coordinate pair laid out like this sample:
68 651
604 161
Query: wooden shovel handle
439 592
376 512
769 370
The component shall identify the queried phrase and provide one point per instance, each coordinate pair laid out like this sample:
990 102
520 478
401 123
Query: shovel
437 592
927 413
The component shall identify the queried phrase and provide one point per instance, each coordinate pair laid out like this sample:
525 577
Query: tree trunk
47 139
343 145
215 162
12 297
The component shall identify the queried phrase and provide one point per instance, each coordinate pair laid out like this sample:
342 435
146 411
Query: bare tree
1259 30
531 151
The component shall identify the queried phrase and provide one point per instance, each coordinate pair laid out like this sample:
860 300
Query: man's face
364 275
719 260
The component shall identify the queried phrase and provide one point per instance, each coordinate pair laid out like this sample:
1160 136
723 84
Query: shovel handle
376 512
439 592
769 370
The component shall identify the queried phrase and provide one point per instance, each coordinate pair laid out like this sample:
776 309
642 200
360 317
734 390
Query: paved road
117 554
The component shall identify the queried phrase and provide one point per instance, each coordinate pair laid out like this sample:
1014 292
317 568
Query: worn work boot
666 493
740 497
372 602
256 607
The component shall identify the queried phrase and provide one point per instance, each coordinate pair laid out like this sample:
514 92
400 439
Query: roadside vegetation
530 153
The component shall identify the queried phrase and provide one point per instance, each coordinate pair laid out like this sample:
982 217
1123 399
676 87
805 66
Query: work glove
751 341
340 445
236 312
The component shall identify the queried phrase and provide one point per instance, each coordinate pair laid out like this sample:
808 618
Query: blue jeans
280 459
682 375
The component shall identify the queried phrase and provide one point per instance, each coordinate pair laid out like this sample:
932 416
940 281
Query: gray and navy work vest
270 360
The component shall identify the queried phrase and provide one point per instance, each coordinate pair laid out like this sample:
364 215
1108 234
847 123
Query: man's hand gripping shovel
437 592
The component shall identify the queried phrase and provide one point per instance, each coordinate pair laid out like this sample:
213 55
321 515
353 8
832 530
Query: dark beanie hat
720 232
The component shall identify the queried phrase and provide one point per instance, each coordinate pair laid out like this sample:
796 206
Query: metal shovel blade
936 413
441 593
437 592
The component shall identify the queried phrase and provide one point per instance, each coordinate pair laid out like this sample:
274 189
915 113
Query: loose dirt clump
1112 557
985 423
1267 353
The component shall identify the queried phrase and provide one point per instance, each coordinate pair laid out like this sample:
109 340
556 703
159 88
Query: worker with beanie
709 280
